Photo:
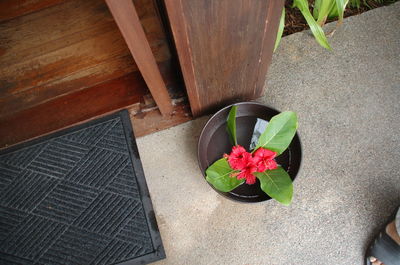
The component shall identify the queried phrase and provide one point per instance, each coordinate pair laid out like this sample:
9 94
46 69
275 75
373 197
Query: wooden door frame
128 22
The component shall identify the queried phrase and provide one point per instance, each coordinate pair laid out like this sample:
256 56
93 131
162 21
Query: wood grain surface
66 48
126 17
88 104
224 48
63 62
10 9
70 109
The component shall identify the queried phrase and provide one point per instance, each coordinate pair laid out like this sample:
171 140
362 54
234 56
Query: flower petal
250 178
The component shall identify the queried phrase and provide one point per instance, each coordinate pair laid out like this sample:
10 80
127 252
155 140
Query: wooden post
125 16
224 48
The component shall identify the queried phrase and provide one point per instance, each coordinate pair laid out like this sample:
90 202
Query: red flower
238 158
264 159
247 172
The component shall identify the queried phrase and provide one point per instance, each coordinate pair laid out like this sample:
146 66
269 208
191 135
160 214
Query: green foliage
316 29
277 184
219 175
279 132
280 29
339 9
231 125
323 9
355 3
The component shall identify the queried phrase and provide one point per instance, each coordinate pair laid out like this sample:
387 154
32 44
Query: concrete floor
349 115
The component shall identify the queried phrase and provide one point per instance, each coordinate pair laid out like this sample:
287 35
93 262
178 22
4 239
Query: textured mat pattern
72 199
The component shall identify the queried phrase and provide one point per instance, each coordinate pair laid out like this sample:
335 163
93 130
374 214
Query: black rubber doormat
77 196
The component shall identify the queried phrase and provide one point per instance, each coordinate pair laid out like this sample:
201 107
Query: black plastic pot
214 142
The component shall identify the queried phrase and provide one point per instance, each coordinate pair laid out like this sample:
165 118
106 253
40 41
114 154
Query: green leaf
322 10
277 184
355 3
280 30
279 132
316 29
340 7
231 125
218 174
317 7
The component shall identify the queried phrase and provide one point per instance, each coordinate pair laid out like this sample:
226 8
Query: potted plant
250 152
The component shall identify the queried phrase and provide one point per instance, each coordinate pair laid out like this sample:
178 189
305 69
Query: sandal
384 248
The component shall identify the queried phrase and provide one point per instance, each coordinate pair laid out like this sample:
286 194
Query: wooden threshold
150 121
89 104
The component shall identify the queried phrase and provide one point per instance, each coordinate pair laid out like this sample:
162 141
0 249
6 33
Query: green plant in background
315 27
280 29
355 3
322 10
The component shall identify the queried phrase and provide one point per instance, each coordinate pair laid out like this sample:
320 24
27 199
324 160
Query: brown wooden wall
224 48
